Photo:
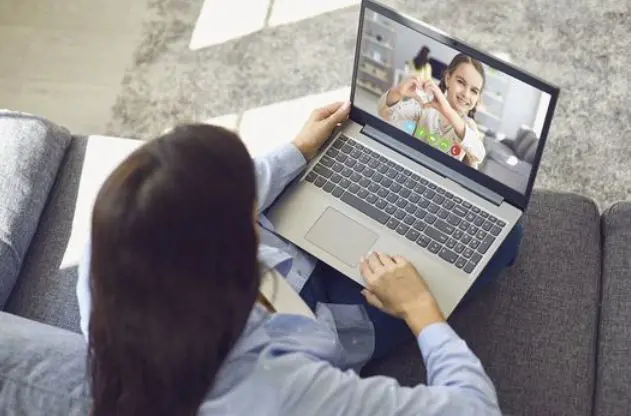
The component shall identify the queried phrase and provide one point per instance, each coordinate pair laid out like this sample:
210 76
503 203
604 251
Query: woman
168 295
447 121
420 65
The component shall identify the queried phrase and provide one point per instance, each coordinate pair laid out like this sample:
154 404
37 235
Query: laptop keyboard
435 219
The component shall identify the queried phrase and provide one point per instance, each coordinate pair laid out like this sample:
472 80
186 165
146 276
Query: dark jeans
327 286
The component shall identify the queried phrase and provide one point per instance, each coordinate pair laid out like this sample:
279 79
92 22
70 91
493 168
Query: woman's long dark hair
461 58
421 58
173 273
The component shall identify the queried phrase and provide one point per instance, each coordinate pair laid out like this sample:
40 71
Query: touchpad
341 236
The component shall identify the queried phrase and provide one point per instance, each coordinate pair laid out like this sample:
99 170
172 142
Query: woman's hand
395 287
319 127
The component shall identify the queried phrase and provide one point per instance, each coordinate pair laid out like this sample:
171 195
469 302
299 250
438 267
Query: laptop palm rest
341 237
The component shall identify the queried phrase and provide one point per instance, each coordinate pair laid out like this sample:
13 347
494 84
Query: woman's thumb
341 113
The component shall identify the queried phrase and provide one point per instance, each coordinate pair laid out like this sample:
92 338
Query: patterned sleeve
403 110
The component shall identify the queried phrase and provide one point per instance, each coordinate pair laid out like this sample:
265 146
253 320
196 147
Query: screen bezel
514 197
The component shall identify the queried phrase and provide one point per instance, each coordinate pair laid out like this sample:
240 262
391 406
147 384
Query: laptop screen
462 107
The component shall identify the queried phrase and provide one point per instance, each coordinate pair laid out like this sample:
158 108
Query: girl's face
464 86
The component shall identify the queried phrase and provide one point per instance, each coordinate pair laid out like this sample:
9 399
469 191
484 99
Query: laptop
390 180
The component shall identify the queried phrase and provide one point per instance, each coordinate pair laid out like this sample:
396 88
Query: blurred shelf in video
368 86
387 65
378 43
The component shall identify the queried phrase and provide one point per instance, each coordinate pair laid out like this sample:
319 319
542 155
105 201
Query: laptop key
436 235
475 209
410 184
368 172
392 198
419 225
472 229
448 255
338 143
346 149
365 208
429 194
463 225
345 183
460 248
480 235
466 204
327 161
448 204
373 163
434 247
460 263
419 189
433 208
364 158
383 168
453 220
337 167
484 247
440 191
319 182
457 234
459 211
492 219
377 177
328 187
501 223
430 219
414 198
398 168
432 185
449 195
311 177
355 177
423 241
487 226
400 214
423 203
412 234
465 239
495 230
373 187
478 221
443 214
337 192
336 178
362 193
474 243
415 176
484 214
475 259
383 192
359 168
420 214
322 170
392 224
353 188
469 267
410 208
444 227
467 253
457 200
401 203
424 181
451 243
371 198
341 158
386 182
363 182
402 229
470 217
405 192
356 153
390 209
391 173
381 203
395 187
350 162
409 219
438 199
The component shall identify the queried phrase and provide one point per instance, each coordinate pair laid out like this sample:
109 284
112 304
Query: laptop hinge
433 165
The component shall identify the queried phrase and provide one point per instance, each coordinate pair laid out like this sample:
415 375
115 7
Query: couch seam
599 312
13 251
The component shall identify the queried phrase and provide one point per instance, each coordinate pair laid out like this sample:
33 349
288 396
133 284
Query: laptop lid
507 109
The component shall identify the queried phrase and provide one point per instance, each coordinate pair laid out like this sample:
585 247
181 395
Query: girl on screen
443 115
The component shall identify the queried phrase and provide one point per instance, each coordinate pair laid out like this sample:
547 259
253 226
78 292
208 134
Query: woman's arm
457 384
274 171
391 105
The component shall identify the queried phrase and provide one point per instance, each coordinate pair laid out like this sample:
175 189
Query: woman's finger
372 299
385 259
366 271
399 261
374 262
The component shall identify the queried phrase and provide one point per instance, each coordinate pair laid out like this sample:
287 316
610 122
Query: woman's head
462 82
422 57
173 273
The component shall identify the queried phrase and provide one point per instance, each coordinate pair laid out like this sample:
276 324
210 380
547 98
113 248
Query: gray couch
552 332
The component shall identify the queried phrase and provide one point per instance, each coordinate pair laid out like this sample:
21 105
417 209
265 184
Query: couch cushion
42 369
31 150
45 290
535 328
613 387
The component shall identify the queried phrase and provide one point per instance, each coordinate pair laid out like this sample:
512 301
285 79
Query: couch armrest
613 390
